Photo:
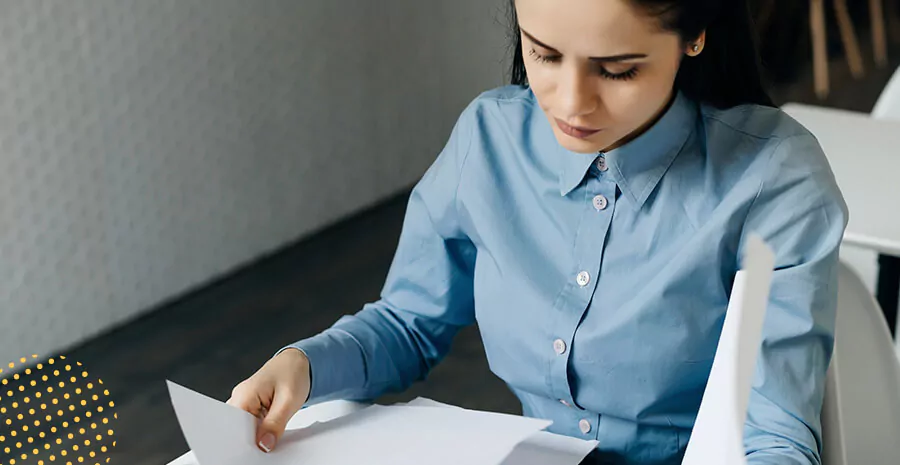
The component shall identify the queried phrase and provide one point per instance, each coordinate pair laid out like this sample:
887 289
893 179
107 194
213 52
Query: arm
425 301
800 213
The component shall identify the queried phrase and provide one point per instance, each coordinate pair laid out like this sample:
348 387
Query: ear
695 47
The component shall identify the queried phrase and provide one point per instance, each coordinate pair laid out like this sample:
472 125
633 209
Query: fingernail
267 442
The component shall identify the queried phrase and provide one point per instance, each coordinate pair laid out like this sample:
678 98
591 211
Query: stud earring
696 48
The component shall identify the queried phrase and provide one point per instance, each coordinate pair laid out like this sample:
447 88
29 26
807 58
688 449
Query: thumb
273 424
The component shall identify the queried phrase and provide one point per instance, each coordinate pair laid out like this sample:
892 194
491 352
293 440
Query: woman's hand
274 393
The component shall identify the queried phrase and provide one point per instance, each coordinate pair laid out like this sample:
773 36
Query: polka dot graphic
54 412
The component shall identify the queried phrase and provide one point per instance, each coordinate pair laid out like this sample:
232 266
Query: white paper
308 415
541 448
717 437
220 434
325 411
216 432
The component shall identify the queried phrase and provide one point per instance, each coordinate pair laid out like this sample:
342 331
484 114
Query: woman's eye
543 58
625 75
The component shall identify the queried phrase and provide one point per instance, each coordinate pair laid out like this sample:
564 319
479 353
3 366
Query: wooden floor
219 335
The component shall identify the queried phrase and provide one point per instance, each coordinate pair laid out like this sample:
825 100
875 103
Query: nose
576 96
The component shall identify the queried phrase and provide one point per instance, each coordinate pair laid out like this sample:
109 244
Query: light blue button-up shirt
599 282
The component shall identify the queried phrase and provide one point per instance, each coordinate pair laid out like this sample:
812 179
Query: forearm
378 350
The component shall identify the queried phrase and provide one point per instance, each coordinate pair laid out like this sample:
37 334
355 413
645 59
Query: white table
864 154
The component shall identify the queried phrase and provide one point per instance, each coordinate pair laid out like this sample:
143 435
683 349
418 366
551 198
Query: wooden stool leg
820 52
879 38
848 37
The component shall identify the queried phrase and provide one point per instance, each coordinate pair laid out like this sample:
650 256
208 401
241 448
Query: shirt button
584 426
601 164
583 278
559 346
600 202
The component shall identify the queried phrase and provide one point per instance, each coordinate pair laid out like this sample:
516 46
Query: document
717 437
220 434
541 448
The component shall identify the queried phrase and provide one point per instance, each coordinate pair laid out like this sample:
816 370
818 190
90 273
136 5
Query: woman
589 217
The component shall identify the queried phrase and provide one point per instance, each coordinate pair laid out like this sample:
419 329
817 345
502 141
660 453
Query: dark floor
214 338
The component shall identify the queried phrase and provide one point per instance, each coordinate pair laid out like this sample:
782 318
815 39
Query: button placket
575 300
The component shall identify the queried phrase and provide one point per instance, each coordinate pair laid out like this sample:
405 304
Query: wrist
299 363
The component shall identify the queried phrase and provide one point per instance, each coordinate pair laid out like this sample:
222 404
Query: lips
575 131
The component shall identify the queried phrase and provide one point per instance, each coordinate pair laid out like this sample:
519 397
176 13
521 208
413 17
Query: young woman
589 217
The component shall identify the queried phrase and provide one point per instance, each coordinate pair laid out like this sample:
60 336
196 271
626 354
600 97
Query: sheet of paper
220 434
216 432
306 416
541 448
718 432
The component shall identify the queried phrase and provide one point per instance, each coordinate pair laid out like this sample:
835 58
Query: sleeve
800 213
426 299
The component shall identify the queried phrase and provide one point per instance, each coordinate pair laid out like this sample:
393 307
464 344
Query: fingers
273 424
246 400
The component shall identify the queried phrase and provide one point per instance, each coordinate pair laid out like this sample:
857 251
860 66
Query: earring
696 48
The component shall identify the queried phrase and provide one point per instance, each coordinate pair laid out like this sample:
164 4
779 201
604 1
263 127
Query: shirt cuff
335 364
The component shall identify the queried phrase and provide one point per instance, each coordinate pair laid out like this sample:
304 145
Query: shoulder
487 114
755 121
797 205
508 96
500 105
782 152
769 134
504 125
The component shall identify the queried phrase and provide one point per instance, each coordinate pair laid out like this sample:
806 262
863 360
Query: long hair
728 71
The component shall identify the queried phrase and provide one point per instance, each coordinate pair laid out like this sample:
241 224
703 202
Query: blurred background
187 186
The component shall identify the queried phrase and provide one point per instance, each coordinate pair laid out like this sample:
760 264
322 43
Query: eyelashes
542 58
623 76
603 72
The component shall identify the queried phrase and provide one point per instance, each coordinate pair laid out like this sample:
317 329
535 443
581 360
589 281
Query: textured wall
147 146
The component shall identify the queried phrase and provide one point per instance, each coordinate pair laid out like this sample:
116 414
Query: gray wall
147 146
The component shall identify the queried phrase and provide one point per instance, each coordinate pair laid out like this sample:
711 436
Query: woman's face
601 70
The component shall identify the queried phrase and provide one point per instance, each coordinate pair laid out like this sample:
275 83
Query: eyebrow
607 59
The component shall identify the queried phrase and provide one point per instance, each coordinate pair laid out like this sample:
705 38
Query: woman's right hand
274 393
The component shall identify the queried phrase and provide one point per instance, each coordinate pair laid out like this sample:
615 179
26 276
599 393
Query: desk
864 154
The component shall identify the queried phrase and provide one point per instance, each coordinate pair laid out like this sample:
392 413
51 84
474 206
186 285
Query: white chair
861 414
888 104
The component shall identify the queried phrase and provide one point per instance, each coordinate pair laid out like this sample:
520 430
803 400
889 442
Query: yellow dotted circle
32 435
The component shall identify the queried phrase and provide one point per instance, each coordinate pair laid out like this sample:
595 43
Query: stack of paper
422 431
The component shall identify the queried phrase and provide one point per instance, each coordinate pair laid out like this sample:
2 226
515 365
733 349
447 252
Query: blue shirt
599 282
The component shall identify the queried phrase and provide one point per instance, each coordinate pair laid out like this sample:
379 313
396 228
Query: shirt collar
638 165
